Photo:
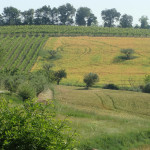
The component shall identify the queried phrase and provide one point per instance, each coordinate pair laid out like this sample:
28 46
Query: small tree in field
59 75
90 79
127 53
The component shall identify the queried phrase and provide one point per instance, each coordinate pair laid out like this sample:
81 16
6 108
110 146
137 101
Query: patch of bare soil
45 95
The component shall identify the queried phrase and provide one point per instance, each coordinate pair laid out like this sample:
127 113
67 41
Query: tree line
68 15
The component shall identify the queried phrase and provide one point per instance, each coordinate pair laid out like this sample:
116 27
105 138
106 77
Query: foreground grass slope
106 119
81 55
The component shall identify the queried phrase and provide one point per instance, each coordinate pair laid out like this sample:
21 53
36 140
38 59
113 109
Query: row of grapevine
20 52
51 30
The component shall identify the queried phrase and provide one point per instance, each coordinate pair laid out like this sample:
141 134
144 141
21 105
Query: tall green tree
90 79
109 17
11 16
43 15
66 14
54 16
126 21
92 20
85 17
1 20
28 17
144 22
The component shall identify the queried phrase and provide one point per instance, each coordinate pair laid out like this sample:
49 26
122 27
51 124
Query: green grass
117 120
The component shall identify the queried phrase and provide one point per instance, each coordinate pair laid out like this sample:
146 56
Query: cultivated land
81 55
104 119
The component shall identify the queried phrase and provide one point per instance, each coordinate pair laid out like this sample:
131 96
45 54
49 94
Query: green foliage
127 53
38 81
52 54
32 127
126 21
110 16
146 88
111 86
147 79
90 79
26 91
59 75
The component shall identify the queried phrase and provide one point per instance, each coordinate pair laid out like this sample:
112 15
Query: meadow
81 55
105 119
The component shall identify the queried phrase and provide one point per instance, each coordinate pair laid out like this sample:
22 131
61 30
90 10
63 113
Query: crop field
81 55
57 30
106 119
20 51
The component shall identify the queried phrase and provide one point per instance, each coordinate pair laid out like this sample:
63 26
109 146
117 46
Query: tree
110 16
126 21
128 53
66 13
59 75
83 14
144 22
43 15
90 79
54 16
28 17
1 20
11 16
92 20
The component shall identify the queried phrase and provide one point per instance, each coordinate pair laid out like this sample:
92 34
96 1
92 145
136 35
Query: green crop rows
52 30
20 51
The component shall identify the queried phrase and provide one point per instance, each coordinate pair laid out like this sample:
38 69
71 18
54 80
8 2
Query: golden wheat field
81 55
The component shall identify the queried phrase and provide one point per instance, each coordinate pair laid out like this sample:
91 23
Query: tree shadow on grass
119 59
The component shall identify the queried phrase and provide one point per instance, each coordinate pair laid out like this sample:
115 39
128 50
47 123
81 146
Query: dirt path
45 95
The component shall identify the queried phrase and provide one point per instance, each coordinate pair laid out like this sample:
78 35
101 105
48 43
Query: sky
136 8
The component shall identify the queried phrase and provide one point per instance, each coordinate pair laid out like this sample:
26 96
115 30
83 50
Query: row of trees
67 15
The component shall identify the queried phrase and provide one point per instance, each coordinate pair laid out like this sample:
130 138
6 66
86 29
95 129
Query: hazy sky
136 8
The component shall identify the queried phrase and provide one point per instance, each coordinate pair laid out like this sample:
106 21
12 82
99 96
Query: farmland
81 55
20 52
105 119
55 30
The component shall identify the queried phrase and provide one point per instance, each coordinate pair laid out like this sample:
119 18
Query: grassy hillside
106 119
81 55
20 51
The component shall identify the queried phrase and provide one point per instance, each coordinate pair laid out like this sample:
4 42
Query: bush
111 86
26 91
90 79
127 53
146 88
32 127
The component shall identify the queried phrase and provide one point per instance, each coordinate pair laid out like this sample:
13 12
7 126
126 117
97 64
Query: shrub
111 86
26 91
90 79
127 53
146 88
11 84
32 127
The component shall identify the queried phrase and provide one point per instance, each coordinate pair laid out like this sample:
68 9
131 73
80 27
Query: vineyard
20 52
51 30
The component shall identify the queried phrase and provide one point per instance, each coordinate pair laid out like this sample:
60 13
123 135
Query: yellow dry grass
82 55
